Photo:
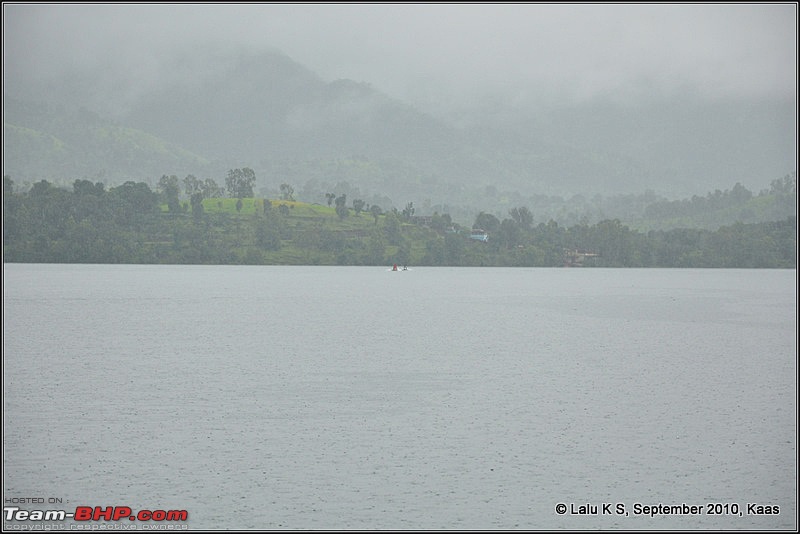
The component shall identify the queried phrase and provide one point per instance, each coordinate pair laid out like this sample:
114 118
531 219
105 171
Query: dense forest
193 221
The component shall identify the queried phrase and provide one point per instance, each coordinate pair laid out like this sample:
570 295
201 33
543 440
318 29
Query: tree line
131 223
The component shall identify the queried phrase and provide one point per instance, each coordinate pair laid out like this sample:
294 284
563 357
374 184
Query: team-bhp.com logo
96 513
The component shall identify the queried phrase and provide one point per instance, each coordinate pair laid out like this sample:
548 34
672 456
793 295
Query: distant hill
61 144
269 113
270 106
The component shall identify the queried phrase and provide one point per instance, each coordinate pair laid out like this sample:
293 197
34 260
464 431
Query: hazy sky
437 52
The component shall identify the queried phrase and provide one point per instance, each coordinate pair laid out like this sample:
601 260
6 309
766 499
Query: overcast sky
424 52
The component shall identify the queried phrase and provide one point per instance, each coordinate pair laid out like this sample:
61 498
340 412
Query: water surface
436 398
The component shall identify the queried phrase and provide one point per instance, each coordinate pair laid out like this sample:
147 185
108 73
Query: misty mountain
210 113
62 143
270 105
675 145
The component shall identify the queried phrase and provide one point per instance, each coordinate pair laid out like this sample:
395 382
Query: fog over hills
203 108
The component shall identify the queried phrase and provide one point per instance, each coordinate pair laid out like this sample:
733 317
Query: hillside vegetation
131 223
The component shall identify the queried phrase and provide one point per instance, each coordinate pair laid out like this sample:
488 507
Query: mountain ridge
267 112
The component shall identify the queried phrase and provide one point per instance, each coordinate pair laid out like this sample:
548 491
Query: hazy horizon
433 54
683 98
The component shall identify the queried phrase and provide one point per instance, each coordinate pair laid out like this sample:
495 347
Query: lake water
354 398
